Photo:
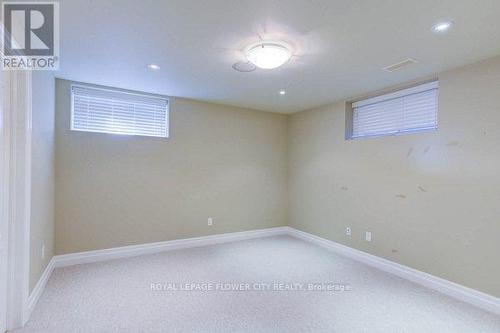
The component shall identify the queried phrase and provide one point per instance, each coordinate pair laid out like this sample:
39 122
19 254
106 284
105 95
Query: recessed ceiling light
282 92
268 55
153 67
442 27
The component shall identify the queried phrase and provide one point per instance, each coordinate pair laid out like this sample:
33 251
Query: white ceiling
340 46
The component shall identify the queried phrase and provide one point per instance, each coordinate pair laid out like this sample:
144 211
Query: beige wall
42 174
220 162
431 200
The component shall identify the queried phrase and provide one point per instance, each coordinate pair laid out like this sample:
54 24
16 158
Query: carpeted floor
117 296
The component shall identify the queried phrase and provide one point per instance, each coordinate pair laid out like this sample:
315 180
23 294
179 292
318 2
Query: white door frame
4 189
15 194
16 202
17 111
15 197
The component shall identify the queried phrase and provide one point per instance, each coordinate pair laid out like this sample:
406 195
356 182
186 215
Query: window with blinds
405 111
118 112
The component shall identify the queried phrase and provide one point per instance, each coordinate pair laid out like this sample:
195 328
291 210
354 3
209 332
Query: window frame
386 96
120 91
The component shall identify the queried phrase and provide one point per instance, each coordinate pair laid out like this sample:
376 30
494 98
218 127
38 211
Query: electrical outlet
368 236
43 251
348 231
210 221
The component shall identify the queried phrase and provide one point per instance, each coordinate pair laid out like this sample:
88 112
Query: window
405 111
118 112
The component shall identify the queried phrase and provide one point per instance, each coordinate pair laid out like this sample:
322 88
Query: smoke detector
244 67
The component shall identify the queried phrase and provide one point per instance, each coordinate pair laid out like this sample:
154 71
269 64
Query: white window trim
397 94
117 90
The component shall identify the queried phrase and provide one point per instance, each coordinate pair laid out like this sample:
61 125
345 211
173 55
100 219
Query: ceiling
339 46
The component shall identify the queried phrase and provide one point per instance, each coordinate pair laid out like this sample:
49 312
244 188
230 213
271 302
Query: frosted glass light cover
268 55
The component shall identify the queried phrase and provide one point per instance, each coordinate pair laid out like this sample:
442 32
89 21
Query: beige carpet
117 296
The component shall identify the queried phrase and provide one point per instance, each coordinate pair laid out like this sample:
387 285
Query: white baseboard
457 291
137 250
149 248
38 290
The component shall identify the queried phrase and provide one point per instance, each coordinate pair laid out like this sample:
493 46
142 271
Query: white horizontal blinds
109 111
408 110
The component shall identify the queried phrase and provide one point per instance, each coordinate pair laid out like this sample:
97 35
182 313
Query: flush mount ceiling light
442 27
282 92
268 55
